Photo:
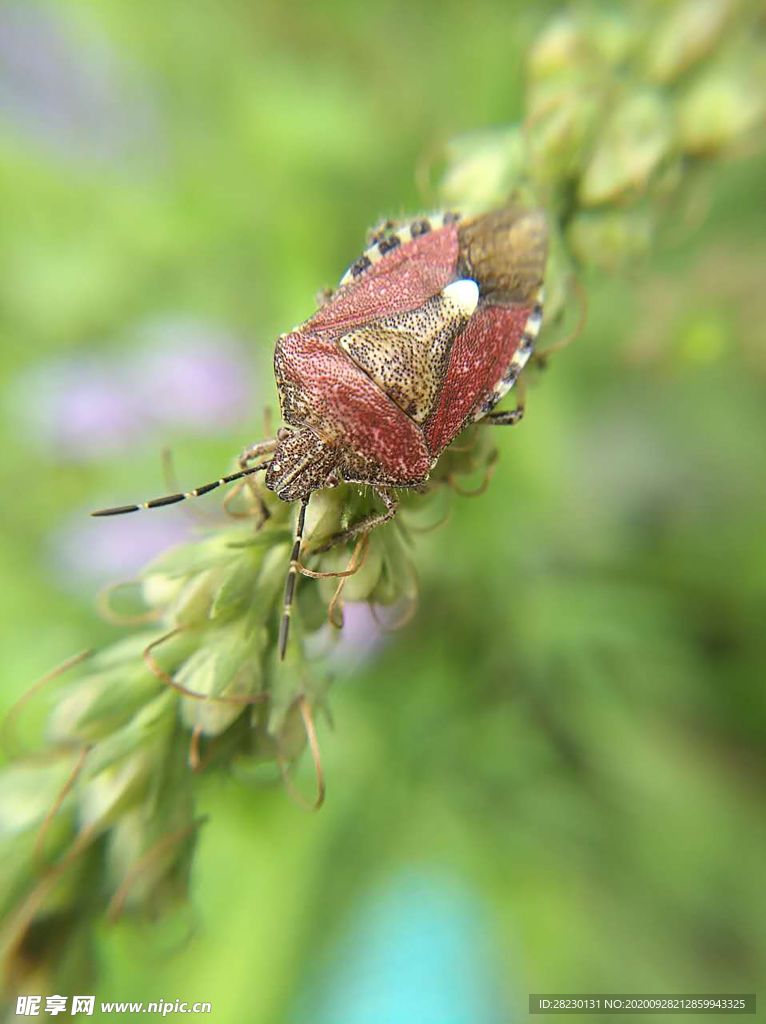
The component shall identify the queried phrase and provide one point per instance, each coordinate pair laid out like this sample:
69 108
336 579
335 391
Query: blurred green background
552 779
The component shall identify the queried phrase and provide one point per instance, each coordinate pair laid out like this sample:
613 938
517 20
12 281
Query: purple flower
68 91
191 374
87 552
361 636
183 374
79 408
358 641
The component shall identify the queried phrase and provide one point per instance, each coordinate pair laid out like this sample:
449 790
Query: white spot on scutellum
463 295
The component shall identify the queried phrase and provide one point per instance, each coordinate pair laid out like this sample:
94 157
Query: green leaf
238 584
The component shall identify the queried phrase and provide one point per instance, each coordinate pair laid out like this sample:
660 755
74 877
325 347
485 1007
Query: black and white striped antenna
172 499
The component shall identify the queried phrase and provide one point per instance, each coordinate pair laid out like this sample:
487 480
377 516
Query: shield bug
425 333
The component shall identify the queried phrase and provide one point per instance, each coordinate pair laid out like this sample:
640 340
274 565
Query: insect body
426 332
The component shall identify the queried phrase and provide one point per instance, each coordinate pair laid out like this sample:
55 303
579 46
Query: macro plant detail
625 114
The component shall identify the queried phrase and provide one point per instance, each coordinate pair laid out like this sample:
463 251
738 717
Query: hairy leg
509 418
366 525
248 455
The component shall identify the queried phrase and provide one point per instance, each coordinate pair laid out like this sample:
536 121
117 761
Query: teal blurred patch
417 952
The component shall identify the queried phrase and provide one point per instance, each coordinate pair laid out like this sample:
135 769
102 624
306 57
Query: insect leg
540 358
324 296
253 452
261 448
509 418
292 572
367 524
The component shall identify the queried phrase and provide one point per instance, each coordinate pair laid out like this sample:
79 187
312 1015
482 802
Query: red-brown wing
480 357
403 279
322 388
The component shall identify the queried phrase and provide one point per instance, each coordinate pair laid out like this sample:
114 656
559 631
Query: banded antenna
292 572
172 499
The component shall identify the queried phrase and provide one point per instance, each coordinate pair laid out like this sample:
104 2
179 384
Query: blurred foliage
572 727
